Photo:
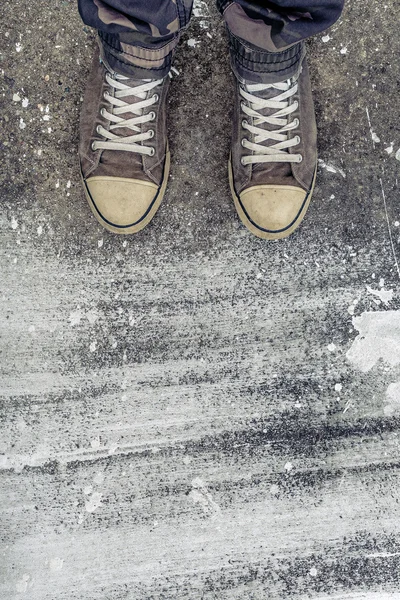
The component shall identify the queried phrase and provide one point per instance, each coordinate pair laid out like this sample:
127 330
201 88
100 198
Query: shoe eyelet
296 123
98 129
92 146
244 123
243 142
152 151
300 159
151 133
152 115
298 139
102 112
242 162
156 97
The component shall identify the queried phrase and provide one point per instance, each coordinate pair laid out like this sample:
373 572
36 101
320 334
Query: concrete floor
194 413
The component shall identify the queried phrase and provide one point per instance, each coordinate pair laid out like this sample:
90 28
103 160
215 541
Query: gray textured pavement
191 412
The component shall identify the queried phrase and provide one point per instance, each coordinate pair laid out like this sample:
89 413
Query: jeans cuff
137 61
260 66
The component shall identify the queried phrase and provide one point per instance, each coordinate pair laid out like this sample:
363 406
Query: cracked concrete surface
185 413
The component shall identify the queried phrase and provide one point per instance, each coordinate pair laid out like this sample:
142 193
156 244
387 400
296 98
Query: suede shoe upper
274 153
123 147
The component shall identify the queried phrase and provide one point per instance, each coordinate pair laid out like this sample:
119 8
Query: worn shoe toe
274 211
122 203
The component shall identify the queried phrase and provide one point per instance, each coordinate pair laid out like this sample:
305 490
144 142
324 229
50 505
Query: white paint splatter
75 317
389 149
331 347
343 50
274 489
200 9
16 98
378 339
338 387
288 467
326 38
374 137
93 346
68 184
95 444
56 564
25 103
331 168
22 123
200 495
39 230
351 308
397 155
393 393
14 223
18 47
393 399
57 183
22 585
192 43
384 295
313 572
100 243
94 502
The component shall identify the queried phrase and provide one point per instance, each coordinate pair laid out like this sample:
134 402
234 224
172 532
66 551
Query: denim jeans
266 39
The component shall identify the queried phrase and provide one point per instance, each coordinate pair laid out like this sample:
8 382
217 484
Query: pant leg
267 38
138 37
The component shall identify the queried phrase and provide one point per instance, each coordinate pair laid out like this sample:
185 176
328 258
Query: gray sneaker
274 154
123 148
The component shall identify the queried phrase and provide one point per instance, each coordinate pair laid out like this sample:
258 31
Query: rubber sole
261 233
136 227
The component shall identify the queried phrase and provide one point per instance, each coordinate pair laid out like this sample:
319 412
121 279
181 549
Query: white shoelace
129 143
277 152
